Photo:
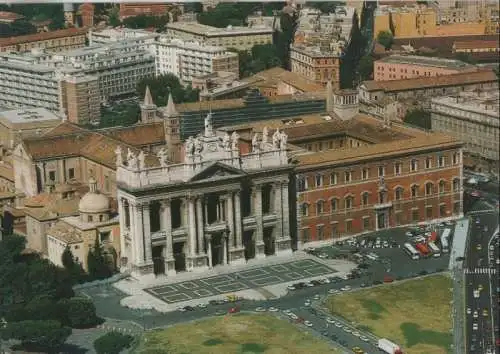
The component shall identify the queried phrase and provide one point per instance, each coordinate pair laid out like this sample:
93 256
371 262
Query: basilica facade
217 207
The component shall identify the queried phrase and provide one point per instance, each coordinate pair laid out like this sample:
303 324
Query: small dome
94 202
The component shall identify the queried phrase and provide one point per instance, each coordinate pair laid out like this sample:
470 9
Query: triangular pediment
217 170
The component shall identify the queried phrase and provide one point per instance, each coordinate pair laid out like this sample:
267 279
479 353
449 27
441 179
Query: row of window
319 179
349 200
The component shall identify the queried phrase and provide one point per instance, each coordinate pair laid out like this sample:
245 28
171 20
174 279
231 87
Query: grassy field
415 313
234 334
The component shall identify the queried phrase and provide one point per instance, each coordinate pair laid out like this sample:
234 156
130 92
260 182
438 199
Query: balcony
216 226
385 205
158 236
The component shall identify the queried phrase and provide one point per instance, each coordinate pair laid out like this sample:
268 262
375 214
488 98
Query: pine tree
68 261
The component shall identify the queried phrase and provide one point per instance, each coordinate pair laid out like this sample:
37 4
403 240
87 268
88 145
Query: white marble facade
217 207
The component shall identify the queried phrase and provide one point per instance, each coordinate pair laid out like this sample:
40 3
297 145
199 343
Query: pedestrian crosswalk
481 271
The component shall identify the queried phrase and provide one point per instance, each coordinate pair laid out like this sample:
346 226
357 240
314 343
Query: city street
481 277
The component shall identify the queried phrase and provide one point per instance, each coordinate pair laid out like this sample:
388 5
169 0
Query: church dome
94 202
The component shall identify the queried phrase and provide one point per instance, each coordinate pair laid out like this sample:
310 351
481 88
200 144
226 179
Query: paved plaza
238 281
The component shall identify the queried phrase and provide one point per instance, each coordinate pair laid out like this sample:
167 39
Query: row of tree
31 13
161 86
37 300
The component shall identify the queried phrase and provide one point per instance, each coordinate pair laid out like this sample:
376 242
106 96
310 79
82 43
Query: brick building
149 9
54 41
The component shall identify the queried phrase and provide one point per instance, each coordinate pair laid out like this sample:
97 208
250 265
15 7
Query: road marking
481 271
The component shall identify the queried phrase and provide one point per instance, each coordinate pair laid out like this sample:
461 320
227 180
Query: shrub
80 312
112 343
46 335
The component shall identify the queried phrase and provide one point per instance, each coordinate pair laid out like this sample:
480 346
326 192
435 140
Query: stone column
278 210
258 213
285 210
192 226
166 221
148 253
199 218
238 222
123 229
209 251
138 235
230 220
224 248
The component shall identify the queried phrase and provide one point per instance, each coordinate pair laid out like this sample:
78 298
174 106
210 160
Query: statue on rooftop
265 132
283 140
226 142
131 159
235 140
208 125
276 138
162 157
119 156
189 147
198 147
255 142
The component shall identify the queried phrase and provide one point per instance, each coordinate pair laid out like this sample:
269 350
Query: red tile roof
42 36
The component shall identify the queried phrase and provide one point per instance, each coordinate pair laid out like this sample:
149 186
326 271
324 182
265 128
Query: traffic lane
483 333
320 325
480 235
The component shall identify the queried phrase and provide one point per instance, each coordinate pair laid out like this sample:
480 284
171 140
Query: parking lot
233 282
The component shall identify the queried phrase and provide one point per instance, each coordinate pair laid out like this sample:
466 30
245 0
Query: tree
196 7
39 335
161 86
112 343
261 57
386 39
324 6
352 55
146 21
114 18
17 28
365 67
123 114
225 14
97 266
466 58
418 118
79 312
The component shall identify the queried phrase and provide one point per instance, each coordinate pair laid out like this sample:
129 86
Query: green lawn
415 314
234 334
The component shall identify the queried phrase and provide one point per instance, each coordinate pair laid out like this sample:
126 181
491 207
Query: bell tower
172 124
148 108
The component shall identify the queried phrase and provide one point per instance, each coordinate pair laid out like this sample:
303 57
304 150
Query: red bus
433 237
422 248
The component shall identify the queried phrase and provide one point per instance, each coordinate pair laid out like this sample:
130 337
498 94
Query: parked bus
445 240
422 248
436 252
412 252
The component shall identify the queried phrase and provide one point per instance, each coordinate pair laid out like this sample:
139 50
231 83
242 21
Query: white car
324 281
290 287
287 312
346 288
309 284
338 324
492 248
260 309
333 291
316 297
409 234
344 277
307 303
293 316
475 314
346 329
475 327
356 334
330 320
469 311
272 309
308 324
201 306
476 294
498 261
364 339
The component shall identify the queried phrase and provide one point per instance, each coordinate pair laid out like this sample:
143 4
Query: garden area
237 333
415 314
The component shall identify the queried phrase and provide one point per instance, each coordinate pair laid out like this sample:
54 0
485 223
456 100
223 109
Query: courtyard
415 314
237 333
238 281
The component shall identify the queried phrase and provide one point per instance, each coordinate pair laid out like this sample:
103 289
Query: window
333 178
398 217
428 212
456 185
441 161
301 184
334 230
349 202
90 218
414 191
428 162
381 171
429 188
414 165
397 169
305 209
320 207
320 232
106 184
334 204
306 235
105 237
455 158
415 215
319 180
456 208
348 226
398 193
442 210
365 174
347 176
71 173
52 175
365 198
442 187
366 223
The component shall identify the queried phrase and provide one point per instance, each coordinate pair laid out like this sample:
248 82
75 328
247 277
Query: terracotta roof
65 233
10 16
139 135
428 82
383 150
273 76
206 105
475 44
55 146
6 172
42 36
64 128
54 207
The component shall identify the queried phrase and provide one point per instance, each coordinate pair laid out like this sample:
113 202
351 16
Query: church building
217 206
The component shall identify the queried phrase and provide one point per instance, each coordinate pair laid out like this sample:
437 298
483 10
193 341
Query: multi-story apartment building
397 67
119 66
473 117
318 64
26 81
53 41
111 35
242 38
189 59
